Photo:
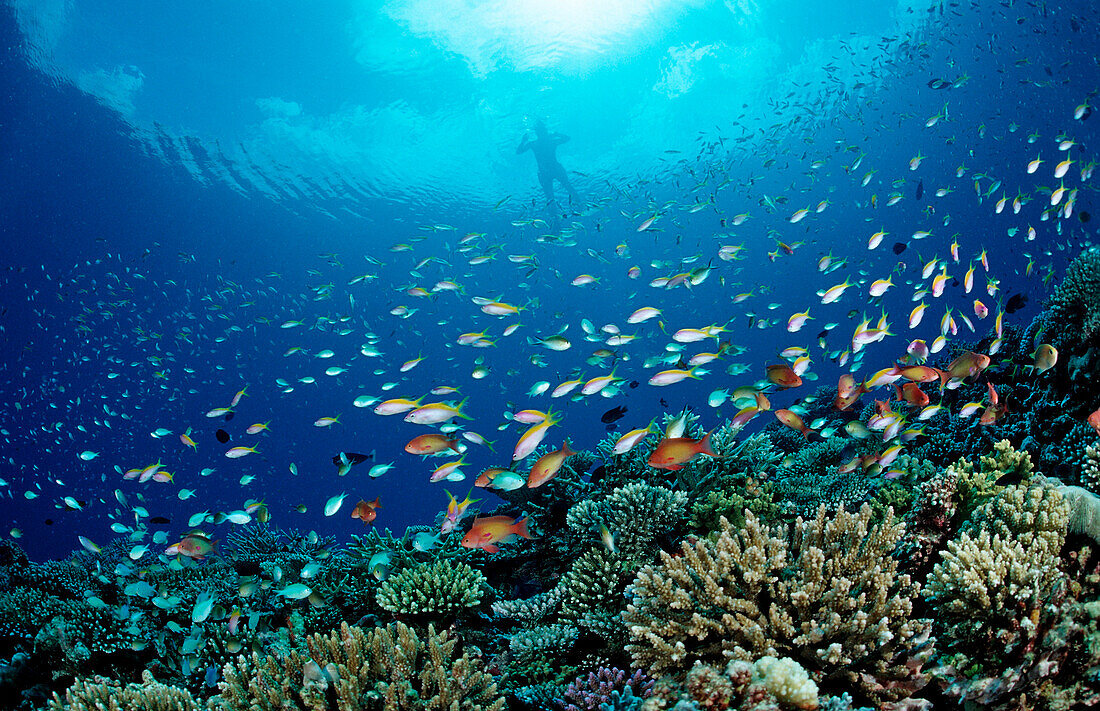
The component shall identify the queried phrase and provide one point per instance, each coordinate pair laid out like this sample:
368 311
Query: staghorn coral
530 611
1090 467
1024 512
436 590
591 594
588 693
835 603
383 668
99 694
529 646
1000 596
636 514
985 584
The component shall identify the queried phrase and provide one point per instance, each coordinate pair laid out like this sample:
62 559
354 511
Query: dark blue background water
115 254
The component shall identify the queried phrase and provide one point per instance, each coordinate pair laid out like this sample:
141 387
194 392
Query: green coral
732 502
390 668
436 590
1075 305
636 514
977 484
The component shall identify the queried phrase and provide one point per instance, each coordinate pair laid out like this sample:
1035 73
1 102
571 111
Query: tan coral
99 694
834 602
382 668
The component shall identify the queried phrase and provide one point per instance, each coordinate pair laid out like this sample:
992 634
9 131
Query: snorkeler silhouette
545 147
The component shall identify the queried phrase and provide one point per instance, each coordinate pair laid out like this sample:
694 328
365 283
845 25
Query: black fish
162 520
613 415
1084 216
229 416
633 384
222 436
49 522
899 247
1015 303
352 457
663 403
920 188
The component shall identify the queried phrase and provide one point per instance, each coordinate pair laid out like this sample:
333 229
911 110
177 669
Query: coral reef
588 693
106 695
835 602
383 668
432 590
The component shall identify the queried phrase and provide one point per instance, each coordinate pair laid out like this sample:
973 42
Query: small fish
672 453
613 415
238 452
1046 357
487 532
333 504
366 511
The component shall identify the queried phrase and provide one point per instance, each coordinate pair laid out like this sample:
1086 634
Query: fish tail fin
704 445
521 528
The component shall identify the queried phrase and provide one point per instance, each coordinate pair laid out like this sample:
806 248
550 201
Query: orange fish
968 365
996 410
1094 420
847 392
912 394
782 375
672 453
792 420
548 466
195 545
487 476
917 373
430 444
488 531
366 511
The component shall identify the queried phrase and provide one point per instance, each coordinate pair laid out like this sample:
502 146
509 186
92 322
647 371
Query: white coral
787 681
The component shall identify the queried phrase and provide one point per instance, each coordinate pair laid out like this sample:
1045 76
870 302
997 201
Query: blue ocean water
180 182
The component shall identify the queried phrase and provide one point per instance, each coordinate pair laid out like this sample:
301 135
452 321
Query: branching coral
588 693
768 684
434 590
383 668
998 593
636 514
827 594
107 695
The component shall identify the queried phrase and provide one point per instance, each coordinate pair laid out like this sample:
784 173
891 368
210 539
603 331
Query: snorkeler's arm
559 138
524 145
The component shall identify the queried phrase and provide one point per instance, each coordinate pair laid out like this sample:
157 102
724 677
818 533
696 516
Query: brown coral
382 668
826 593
